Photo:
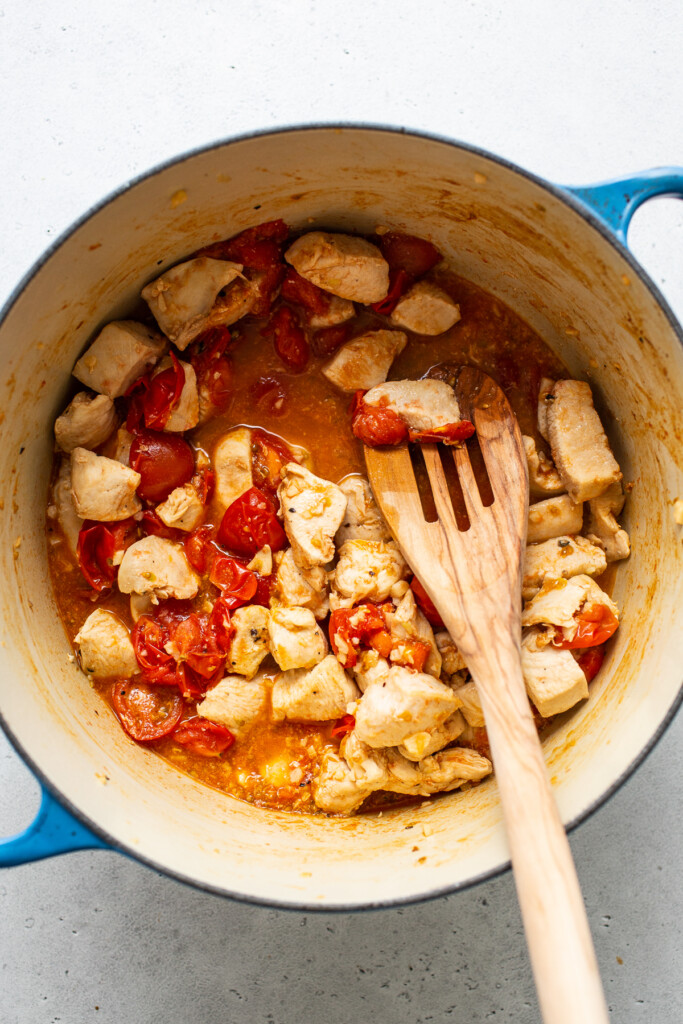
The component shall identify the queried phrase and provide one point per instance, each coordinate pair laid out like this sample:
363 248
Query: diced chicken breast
102 488
185 415
544 480
362 519
364 361
344 265
236 703
554 517
249 644
452 660
564 556
63 509
158 567
421 404
184 296
86 422
370 668
340 310
182 510
312 509
124 440
303 588
545 397
559 601
232 465
553 678
422 744
262 562
603 528
140 604
334 788
296 640
318 694
404 703
470 705
367 570
578 443
409 622
104 647
121 352
425 309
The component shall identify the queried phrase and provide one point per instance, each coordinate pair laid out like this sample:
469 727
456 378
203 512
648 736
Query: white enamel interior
503 231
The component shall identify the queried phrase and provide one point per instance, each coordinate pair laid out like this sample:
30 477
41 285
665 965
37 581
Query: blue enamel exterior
55 830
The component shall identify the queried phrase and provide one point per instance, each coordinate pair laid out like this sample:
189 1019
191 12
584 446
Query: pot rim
558 192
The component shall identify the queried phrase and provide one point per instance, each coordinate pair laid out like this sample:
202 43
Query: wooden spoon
474 579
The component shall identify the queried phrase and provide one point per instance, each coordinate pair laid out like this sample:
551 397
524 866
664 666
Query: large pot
558 258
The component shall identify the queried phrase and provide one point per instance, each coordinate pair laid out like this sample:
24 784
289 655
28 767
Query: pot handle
53 831
616 201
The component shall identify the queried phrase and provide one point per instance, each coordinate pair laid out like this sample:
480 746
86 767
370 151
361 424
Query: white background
94 93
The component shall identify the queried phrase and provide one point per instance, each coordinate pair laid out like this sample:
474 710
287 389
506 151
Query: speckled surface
94 94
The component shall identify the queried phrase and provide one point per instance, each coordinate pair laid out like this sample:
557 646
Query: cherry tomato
146 714
595 625
194 642
250 523
200 549
268 456
450 433
398 283
351 627
221 624
413 653
213 367
203 482
203 737
343 725
415 256
290 340
97 545
425 603
152 524
163 461
298 290
590 660
149 638
326 340
258 247
154 396
236 583
270 395
376 426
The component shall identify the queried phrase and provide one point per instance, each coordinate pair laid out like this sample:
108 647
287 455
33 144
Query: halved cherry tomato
153 397
343 725
199 548
250 523
203 737
351 627
414 256
237 583
414 653
376 426
146 713
298 290
152 524
590 660
149 638
97 545
270 394
595 625
425 602
163 461
221 624
213 366
450 433
289 338
398 283
258 247
326 340
268 455
194 642
203 482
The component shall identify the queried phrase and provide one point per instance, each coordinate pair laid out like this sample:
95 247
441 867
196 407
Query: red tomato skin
326 340
258 247
154 397
590 660
399 281
414 256
199 548
301 292
151 524
213 367
97 545
163 461
368 621
450 433
595 625
376 426
271 395
141 726
289 338
426 604
237 584
343 725
209 739
250 523
269 455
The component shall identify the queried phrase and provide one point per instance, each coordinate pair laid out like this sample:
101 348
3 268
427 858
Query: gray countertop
96 93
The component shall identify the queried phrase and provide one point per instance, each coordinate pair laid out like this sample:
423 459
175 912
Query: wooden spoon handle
558 936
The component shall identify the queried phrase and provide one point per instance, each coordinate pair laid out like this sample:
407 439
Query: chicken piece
544 480
422 744
545 397
124 440
554 517
185 415
470 705
364 361
370 668
425 309
403 703
318 694
367 570
87 422
553 678
303 588
409 622
559 602
334 788
105 649
339 311
344 265
158 567
362 520
564 556
183 298
452 660
249 644
63 509
103 489
313 510
121 352
296 640
603 528
140 604
421 404
232 465
182 510
578 443
236 703
262 562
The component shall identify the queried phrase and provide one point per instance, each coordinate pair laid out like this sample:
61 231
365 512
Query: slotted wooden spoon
474 579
